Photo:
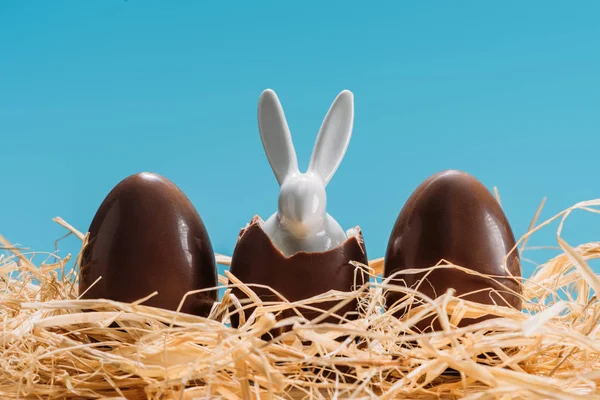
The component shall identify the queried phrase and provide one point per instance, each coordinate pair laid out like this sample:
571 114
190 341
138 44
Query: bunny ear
275 136
333 137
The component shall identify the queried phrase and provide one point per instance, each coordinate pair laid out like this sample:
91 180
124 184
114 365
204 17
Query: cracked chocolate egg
301 276
451 216
146 237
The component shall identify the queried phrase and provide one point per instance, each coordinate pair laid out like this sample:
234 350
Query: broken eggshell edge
303 275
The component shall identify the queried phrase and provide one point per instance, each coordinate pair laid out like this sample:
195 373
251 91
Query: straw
55 345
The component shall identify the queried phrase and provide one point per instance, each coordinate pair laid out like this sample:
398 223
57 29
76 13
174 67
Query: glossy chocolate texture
301 276
452 216
147 236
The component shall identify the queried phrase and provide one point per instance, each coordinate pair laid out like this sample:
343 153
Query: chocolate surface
301 276
452 216
145 237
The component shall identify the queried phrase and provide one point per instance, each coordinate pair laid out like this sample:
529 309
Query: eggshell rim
258 221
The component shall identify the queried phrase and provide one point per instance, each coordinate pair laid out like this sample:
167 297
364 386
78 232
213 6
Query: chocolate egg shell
145 237
303 275
451 216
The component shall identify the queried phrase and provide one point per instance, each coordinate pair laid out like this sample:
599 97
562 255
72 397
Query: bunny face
302 201
301 222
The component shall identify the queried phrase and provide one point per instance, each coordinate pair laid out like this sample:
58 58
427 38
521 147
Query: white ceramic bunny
301 223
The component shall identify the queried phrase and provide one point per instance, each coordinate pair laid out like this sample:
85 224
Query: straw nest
56 346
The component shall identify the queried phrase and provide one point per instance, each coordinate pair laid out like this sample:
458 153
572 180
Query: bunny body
301 223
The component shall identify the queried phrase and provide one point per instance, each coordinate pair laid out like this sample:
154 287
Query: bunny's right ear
334 137
275 136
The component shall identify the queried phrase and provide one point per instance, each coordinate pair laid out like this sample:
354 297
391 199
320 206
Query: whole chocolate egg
451 216
301 276
145 237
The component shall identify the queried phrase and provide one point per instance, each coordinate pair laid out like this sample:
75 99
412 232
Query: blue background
91 92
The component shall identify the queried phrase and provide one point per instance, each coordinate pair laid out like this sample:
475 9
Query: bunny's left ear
276 137
334 137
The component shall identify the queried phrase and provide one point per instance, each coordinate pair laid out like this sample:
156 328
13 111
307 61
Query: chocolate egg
301 276
451 216
146 237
